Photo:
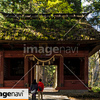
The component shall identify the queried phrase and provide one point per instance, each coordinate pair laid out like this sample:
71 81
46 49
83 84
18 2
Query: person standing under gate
40 89
34 87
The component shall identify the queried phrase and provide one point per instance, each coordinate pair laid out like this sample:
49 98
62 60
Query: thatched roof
57 27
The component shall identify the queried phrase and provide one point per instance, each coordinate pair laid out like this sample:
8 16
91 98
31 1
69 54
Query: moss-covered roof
41 28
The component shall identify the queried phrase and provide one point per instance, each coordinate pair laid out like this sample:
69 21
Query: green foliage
94 9
96 89
56 6
50 75
38 29
40 6
94 75
42 28
76 5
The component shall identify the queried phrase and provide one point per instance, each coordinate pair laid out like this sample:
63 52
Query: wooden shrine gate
37 71
63 81
14 64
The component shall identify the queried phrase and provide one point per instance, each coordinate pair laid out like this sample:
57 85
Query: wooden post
86 71
43 74
31 72
1 69
61 70
81 69
35 72
55 78
57 72
25 71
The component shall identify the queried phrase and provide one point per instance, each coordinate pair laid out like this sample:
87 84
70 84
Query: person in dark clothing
34 86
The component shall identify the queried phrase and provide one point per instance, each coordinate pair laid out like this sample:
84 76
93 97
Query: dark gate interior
13 68
76 65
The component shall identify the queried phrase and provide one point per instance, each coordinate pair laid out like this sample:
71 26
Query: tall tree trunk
30 9
13 5
92 77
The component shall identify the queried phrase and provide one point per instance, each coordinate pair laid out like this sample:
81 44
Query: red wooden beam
1 68
61 71
26 72
86 69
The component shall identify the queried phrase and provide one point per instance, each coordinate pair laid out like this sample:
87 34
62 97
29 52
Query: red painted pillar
56 63
86 70
31 72
26 72
1 68
61 72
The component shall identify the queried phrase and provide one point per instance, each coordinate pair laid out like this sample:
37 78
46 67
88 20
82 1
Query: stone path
51 94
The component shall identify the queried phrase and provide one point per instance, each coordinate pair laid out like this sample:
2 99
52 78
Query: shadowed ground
51 94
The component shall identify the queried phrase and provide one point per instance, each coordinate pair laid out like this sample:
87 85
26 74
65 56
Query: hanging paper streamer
53 58
42 61
43 64
38 62
33 59
49 63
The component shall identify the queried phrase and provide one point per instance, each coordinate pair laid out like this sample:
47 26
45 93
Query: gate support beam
86 69
1 68
61 72
25 71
